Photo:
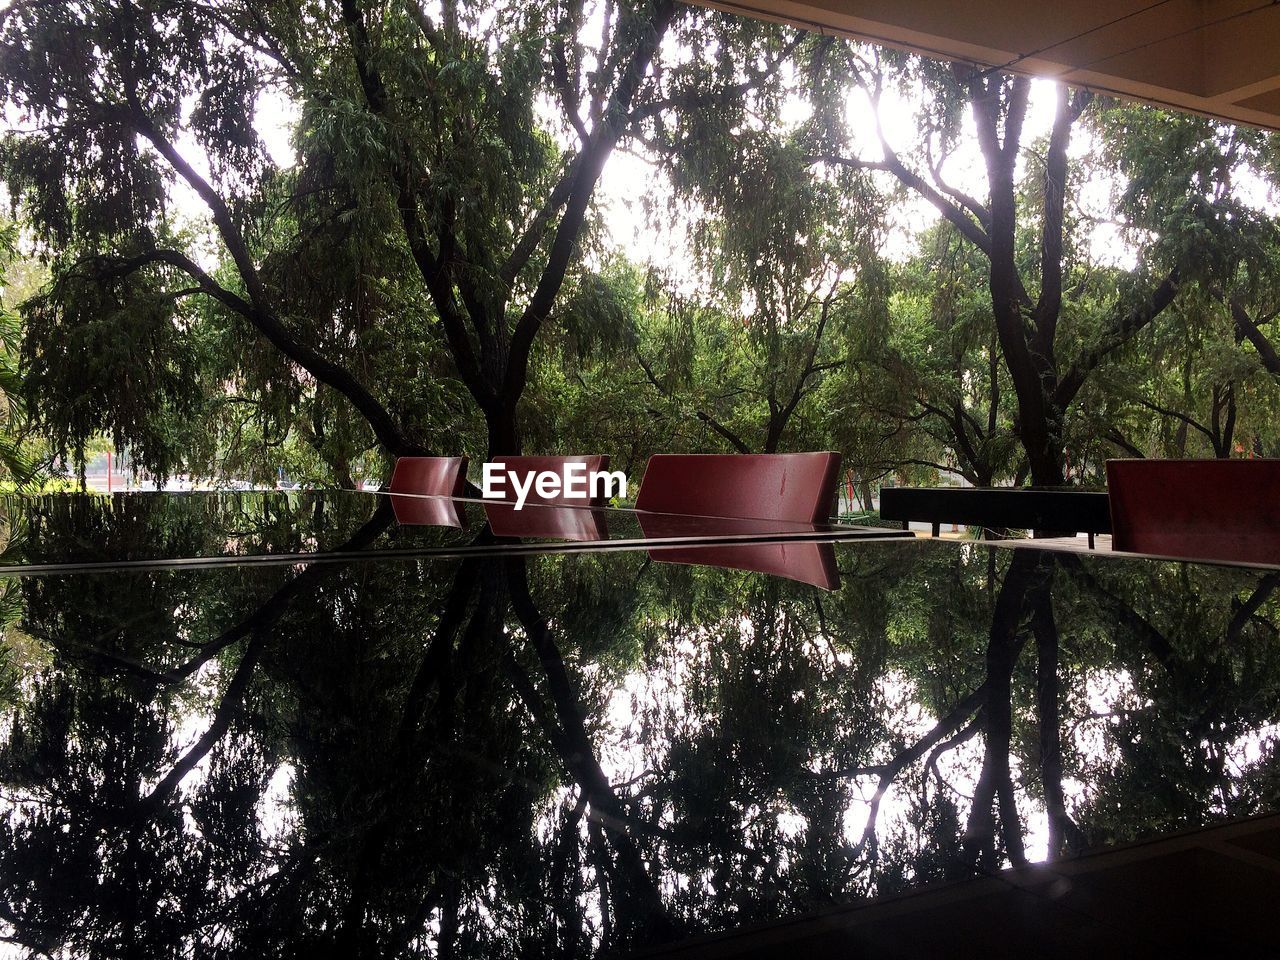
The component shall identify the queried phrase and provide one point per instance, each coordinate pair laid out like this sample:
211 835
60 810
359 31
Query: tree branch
262 314
967 226
1055 193
1123 327
433 266
564 244
1251 332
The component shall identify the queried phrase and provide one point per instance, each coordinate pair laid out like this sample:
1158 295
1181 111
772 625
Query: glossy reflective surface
575 755
133 527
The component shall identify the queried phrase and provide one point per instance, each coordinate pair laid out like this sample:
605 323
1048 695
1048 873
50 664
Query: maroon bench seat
417 478
429 476
794 487
1199 509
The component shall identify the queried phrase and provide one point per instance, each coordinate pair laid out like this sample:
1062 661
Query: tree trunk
504 433
774 436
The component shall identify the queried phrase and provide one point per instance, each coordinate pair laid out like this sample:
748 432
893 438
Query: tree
97 83
789 261
432 129
20 453
1199 380
935 369
1033 267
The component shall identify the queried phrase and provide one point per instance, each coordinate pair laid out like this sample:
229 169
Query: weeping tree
933 367
467 142
788 267
19 457
1036 270
1220 396
117 103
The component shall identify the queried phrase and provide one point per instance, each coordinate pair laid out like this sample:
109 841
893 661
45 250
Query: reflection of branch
1156 642
222 717
1245 612
435 661
1061 828
944 727
276 604
257 624
947 746
1025 584
267 611
577 751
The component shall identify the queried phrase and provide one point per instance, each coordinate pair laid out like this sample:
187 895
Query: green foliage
788 328
436 740
20 453
109 356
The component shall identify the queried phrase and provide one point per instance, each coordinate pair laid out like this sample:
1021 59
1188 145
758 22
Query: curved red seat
1199 509
795 487
546 523
430 476
527 465
807 562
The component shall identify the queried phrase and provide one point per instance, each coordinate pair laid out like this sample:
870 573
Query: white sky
628 178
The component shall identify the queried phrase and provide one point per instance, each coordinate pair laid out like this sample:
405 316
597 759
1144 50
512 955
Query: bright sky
628 178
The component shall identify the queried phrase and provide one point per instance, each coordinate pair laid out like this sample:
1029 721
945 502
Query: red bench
795 487
1199 509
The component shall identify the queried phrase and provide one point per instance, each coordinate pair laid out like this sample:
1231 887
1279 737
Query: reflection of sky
641 701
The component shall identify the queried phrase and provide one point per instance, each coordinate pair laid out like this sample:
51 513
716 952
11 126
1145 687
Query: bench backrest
1201 509
797 487
430 476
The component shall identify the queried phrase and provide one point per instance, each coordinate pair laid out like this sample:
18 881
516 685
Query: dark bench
1022 508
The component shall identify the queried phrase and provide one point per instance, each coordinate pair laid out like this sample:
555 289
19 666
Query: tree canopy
1016 283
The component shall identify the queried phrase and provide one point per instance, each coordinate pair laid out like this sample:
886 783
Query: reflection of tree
60 528
570 755
97 742
636 908
1027 711
1196 645
1025 586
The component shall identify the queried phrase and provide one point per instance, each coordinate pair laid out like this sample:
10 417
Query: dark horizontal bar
833 534
1079 511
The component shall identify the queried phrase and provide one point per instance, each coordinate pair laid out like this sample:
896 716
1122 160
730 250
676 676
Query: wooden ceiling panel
1219 58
